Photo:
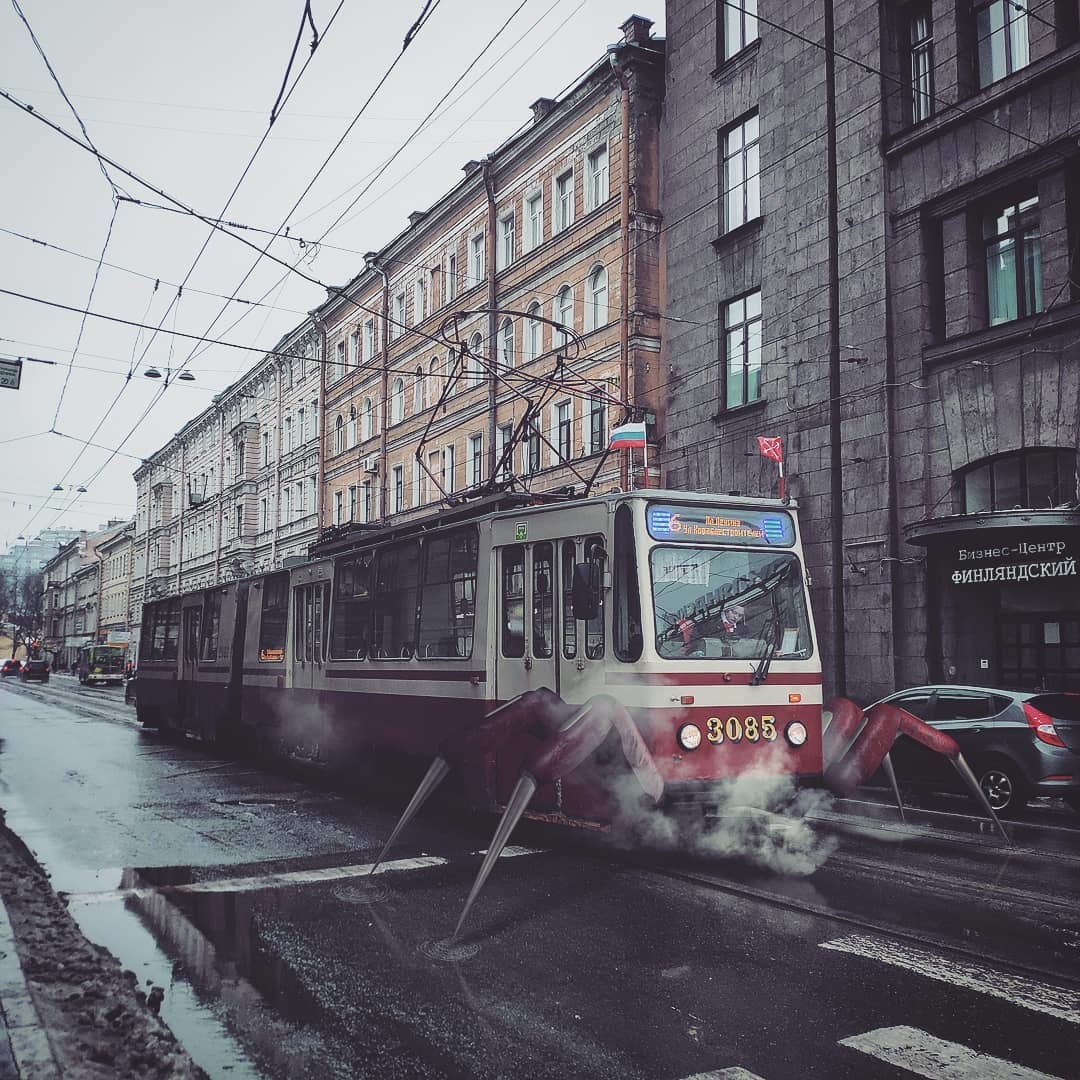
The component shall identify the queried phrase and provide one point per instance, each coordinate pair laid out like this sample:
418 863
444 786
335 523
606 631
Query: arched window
506 344
476 368
397 402
339 435
435 384
534 332
564 309
366 426
418 389
596 306
352 425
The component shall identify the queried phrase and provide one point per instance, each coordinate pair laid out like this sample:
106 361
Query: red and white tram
396 643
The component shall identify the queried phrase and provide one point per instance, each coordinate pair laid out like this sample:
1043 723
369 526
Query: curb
29 1044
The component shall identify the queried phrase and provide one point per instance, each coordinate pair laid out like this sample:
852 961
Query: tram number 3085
734 729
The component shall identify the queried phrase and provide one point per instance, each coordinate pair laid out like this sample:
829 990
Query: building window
369 339
534 332
504 460
286 505
596 178
1013 263
266 447
1001 28
475 370
1028 480
505 249
397 325
476 260
564 201
563 430
339 435
739 173
365 500
339 365
920 46
418 389
352 425
596 310
418 302
564 309
534 222
506 344
397 402
742 350
597 425
352 502
474 463
397 489
738 26
451 277
287 434
448 465
338 507
531 450
264 519
354 350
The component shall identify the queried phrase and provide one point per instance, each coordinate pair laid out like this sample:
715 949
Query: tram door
527 647
189 653
310 610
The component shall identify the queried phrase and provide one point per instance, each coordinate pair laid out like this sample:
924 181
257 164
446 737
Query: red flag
771 447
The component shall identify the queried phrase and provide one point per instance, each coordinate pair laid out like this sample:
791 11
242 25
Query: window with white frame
369 340
504 250
354 348
563 208
416 474
448 469
451 277
435 385
476 260
530 450
301 426
266 447
397 402
506 343
597 425
339 365
301 501
418 389
563 430
738 27
534 221
739 173
365 501
397 489
742 350
339 507
264 520
419 307
476 367
534 332
596 299
352 502
564 309
286 434
596 178
397 324
352 426
339 435
474 462
506 468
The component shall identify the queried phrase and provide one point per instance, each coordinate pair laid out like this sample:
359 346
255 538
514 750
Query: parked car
10 667
35 671
1020 744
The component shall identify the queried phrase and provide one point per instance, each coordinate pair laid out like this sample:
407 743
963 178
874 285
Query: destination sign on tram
774 528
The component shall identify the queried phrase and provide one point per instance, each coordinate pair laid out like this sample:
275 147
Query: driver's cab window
626 617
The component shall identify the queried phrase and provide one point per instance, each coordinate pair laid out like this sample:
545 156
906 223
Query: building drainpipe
218 501
371 259
320 423
277 477
836 468
625 374
149 530
492 300
180 523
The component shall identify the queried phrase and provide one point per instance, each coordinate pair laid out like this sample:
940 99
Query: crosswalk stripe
936 1059
1026 993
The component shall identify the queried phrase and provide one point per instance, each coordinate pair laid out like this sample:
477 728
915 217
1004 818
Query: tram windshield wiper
761 672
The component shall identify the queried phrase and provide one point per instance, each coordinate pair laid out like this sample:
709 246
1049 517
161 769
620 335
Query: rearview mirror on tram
586 591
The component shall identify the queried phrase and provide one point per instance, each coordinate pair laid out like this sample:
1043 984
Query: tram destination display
773 528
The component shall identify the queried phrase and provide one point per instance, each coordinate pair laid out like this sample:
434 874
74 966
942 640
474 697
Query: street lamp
183 374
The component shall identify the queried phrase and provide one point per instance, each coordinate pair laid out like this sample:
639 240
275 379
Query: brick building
872 219
452 332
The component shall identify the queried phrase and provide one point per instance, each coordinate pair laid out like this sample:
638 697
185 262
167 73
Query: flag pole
645 457
780 466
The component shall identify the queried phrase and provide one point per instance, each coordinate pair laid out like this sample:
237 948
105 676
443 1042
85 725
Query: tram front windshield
740 604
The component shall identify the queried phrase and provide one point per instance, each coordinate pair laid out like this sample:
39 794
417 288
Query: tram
689 613
102 665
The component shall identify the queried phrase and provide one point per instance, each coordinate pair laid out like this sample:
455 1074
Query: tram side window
513 601
594 628
543 626
397 580
569 624
275 618
165 632
211 626
448 597
626 617
350 632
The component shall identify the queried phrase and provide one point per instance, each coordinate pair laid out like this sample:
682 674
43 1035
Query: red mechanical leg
865 754
847 718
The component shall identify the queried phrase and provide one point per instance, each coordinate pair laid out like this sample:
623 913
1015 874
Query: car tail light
1042 726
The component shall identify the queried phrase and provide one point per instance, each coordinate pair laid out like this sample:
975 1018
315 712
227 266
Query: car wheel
1004 789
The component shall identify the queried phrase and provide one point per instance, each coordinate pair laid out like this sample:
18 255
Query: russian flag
627 436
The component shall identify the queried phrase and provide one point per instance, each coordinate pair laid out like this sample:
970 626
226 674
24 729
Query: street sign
10 374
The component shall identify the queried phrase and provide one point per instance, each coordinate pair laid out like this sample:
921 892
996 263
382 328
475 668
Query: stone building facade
448 345
872 216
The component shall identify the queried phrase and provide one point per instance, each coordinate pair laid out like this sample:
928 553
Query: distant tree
25 613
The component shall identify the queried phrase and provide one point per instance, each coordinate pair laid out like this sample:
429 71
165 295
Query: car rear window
1064 707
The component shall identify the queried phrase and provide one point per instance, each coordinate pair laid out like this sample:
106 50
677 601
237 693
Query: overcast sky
180 94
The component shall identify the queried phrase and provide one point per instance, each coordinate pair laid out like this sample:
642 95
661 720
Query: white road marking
293 877
937 1059
1026 993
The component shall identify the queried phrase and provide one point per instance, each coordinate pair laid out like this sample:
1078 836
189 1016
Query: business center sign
1036 557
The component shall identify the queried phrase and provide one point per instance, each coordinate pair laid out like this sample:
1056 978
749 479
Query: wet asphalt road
910 951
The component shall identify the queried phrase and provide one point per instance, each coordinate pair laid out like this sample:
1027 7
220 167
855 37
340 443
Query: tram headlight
689 736
795 733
